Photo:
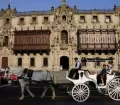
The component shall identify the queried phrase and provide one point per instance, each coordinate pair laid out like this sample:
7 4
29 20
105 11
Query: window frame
97 19
32 62
110 18
19 62
6 43
64 37
44 21
83 18
45 62
21 21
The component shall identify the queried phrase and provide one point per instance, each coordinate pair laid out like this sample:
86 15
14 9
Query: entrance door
4 62
64 62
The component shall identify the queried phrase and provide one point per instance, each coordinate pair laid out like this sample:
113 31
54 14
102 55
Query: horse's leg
22 85
28 90
53 91
45 90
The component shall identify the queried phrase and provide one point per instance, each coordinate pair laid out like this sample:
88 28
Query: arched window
32 61
7 21
83 60
64 18
6 39
64 37
19 61
45 61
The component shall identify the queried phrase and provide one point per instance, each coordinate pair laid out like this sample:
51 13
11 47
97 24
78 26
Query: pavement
10 96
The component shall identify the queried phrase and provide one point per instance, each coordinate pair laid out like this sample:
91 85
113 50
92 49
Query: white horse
37 76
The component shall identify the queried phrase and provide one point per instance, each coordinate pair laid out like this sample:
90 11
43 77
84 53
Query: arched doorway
64 62
4 62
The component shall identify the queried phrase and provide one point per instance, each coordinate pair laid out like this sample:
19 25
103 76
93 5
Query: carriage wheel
114 89
80 92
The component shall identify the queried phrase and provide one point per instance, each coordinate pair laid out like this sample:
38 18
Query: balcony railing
96 46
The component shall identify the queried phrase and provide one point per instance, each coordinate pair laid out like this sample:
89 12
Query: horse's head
16 70
25 70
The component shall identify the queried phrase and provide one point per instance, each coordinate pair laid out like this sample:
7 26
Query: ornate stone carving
63 18
6 32
5 52
7 16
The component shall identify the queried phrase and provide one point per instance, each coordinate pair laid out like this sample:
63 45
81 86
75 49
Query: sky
39 5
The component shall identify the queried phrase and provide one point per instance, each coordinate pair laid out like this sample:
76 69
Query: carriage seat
90 74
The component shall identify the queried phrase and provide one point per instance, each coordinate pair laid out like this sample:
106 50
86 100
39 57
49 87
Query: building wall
56 25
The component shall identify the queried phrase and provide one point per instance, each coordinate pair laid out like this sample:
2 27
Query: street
10 96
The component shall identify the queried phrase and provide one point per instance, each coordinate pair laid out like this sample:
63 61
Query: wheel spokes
80 92
114 89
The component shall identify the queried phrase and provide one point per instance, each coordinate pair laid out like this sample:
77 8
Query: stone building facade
50 39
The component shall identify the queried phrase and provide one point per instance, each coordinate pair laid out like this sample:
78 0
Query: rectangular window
82 18
19 61
34 20
95 19
46 20
32 61
21 21
108 19
45 61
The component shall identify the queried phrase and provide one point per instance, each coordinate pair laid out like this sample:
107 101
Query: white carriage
80 91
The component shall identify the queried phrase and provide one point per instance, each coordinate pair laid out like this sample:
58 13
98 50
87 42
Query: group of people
107 68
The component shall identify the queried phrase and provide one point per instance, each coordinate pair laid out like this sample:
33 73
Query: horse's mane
16 70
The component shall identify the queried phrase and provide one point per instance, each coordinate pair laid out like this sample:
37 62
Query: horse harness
27 72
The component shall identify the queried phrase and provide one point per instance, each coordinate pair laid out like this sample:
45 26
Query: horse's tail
52 78
54 82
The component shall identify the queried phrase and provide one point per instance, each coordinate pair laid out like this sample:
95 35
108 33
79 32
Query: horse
37 76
